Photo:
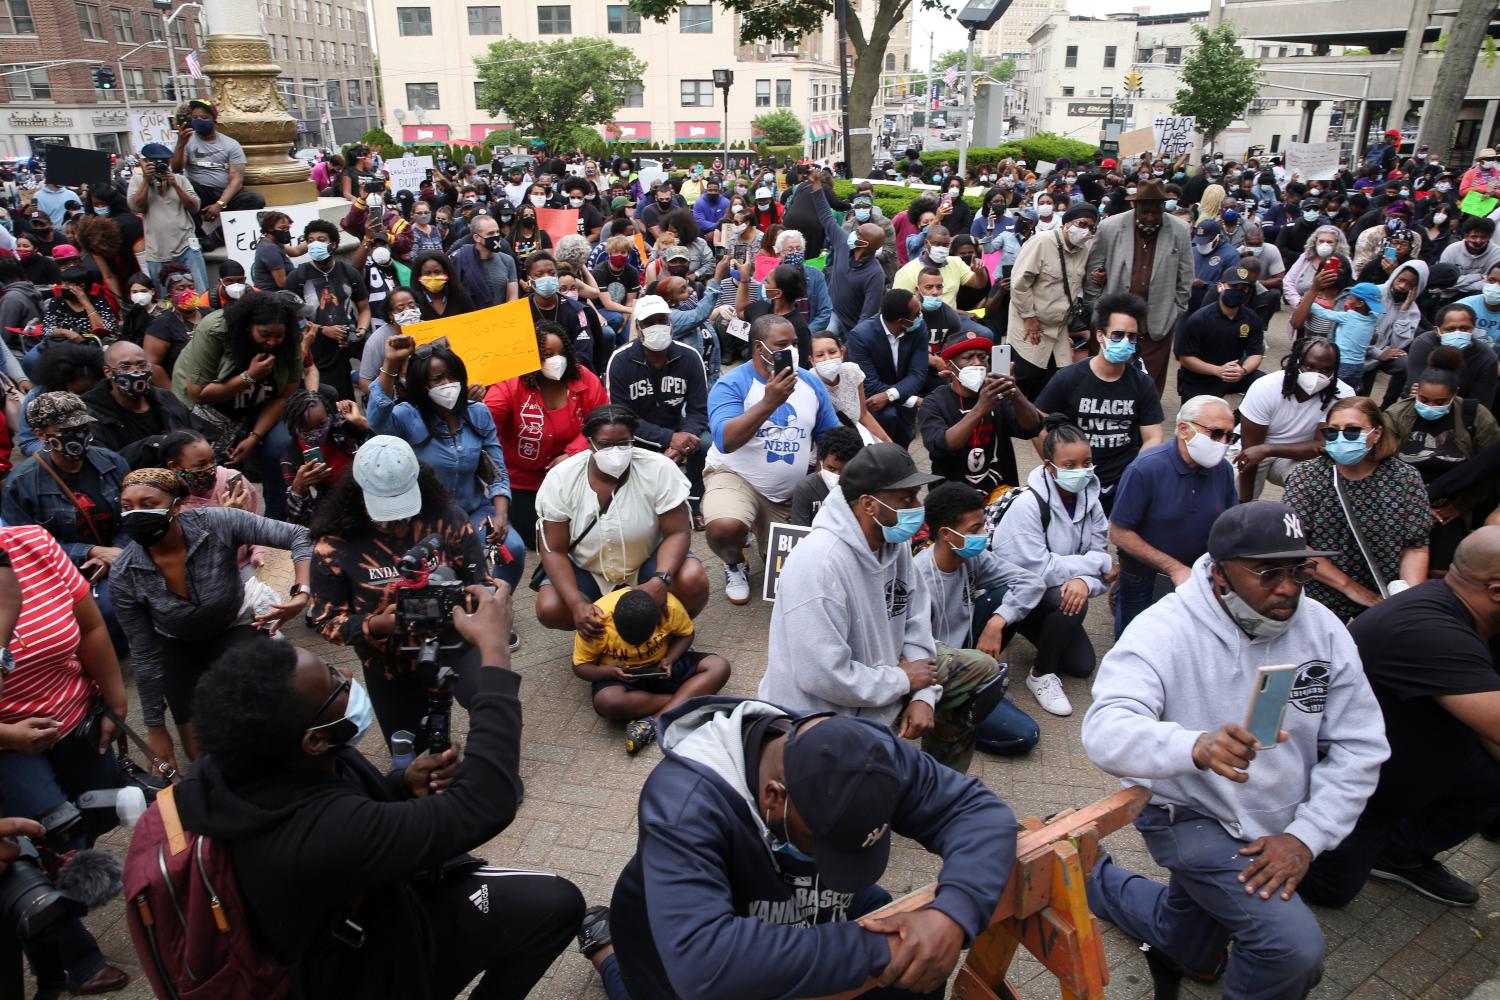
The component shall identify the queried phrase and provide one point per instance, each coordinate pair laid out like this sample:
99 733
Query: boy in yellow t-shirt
644 663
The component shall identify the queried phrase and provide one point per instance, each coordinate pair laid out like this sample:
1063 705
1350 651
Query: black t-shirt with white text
1110 413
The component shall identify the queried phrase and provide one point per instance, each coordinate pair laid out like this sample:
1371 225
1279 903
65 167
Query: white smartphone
1000 359
1268 698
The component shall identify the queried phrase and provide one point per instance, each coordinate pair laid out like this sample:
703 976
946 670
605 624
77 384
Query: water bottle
401 749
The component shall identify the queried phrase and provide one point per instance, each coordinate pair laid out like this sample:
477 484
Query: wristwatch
296 590
221 204
664 577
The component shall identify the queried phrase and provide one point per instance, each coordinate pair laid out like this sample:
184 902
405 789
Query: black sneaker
594 934
1430 879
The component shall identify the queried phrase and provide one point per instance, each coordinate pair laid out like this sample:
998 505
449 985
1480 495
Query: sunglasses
1350 433
343 684
1216 434
1119 335
1302 575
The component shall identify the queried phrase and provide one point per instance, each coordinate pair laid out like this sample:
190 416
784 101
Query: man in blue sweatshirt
1237 829
762 840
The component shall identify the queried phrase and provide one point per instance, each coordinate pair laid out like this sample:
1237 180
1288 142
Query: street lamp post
171 49
724 79
120 63
840 13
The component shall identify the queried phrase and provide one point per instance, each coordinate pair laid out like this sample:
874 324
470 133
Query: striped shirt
48 681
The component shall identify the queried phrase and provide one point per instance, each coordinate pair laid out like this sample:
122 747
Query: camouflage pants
963 674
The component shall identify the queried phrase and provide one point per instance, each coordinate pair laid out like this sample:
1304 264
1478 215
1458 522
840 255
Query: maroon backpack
190 927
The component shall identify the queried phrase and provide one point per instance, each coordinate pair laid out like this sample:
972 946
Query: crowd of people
724 349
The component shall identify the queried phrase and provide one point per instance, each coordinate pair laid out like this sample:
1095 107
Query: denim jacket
454 459
33 497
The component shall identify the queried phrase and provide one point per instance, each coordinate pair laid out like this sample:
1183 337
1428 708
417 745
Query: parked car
950 134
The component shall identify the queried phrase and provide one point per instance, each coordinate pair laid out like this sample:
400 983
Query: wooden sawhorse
1044 907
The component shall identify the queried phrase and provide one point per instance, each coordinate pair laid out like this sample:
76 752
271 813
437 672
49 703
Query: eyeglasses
342 684
1351 433
1217 434
1270 579
1119 335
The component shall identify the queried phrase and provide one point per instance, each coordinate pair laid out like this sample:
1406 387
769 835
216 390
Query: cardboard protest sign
1173 134
242 230
151 126
1137 141
1312 161
496 344
781 541
558 222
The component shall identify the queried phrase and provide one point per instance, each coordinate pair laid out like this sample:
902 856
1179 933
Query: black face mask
663 204
146 526
131 383
493 243
71 444
283 236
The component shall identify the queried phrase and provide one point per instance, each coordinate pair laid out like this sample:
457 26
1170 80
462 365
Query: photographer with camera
58 675
364 527
320 840
336 293
167 204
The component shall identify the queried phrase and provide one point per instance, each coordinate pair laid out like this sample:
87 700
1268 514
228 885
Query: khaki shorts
726 495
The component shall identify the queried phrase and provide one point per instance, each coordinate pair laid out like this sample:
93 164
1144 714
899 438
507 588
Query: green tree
868 38
377 137
780 128
1219 81
558 92
1455 71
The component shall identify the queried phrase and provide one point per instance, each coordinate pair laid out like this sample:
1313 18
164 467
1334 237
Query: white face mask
830 478
1312 383
407 317
656 337
938 255
1488 164
1491 293
1325 249
538 200
1045 211
445 395
972 377
828 370
1205 452
235 290
141 299
554 367
612 461
576 202
1079 235
1439 218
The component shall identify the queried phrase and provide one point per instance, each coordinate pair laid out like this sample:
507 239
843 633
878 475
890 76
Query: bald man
1429 653
856 281
129 411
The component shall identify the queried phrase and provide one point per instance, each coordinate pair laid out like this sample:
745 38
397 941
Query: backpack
1001 501
190 926
1375 155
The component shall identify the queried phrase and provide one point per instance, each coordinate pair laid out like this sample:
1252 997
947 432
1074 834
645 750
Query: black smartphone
310 455
781 361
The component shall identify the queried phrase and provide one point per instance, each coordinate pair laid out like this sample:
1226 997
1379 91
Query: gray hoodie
952 594
1076 545
844 615
1184 668
1398 326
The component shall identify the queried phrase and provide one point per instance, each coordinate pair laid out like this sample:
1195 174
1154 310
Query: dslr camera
34 898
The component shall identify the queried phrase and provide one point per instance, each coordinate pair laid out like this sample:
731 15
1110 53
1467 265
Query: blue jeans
193 258
865 901
1006 730
272 484
1136 593
1278 946
1352 375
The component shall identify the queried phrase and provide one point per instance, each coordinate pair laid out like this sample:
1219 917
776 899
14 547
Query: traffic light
104 78
1132 82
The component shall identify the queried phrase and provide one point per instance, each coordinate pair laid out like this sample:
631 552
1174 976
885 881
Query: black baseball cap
879 467
1241 275
841 775
1261 529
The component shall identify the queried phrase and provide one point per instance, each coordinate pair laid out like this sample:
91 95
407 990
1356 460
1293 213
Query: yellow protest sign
496 344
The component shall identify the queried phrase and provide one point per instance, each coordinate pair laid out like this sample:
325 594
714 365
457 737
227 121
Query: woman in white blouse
845 382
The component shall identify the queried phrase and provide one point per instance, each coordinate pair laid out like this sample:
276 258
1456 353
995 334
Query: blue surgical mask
358 714
854 243
932 303
862 214
908 523
1459 339
101 209
545 286
972 546
1346 452
1171 205
319 251
1117 351
1432 412
789 849
1075 480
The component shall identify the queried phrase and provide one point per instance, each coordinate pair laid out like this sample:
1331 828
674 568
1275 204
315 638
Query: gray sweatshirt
1075 546
844 615
952 594
1184 668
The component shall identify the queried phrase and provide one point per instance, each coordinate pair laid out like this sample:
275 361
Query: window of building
623 20
151 20
1281 52
370 93
182 35
1265 51
422 95
1143 55
15 18
634 96
554 20
1299 51
906 63
1070 60
479 95
484 20
1174 55
890 62
1067 91
300 53
697 20
88 21
135 84
288 94
335 94
414 20
783 93
1109 56
31 85
164 87
1106 91
697 93
124 25
762 93
1275 143
353 93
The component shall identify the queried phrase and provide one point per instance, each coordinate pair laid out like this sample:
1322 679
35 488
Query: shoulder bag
1078 319
1359 540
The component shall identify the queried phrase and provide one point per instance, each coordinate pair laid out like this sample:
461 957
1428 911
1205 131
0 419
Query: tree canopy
780 128
558 92
1219 81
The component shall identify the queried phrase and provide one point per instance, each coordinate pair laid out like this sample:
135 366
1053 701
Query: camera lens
28 899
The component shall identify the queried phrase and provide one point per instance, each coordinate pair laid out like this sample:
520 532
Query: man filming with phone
1235 819
361 879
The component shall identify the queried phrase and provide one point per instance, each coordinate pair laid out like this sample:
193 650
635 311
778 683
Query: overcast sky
952 35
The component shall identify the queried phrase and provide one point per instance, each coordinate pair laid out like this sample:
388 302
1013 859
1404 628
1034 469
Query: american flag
194 68
951 77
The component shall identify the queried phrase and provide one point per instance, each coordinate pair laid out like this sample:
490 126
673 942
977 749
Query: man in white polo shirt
764 425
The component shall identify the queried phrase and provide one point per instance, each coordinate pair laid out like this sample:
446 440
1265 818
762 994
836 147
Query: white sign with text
408 172
1312 161
242 230
151 126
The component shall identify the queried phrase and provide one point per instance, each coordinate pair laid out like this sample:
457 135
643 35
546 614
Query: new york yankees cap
1261 529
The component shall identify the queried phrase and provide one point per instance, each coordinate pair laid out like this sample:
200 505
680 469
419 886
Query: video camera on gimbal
426 596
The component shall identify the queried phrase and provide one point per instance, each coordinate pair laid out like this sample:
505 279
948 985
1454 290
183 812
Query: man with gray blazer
1148 253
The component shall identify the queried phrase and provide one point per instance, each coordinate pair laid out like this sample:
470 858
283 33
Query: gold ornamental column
243 79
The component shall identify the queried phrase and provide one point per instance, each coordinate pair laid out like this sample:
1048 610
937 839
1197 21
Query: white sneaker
1048 692
737 583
